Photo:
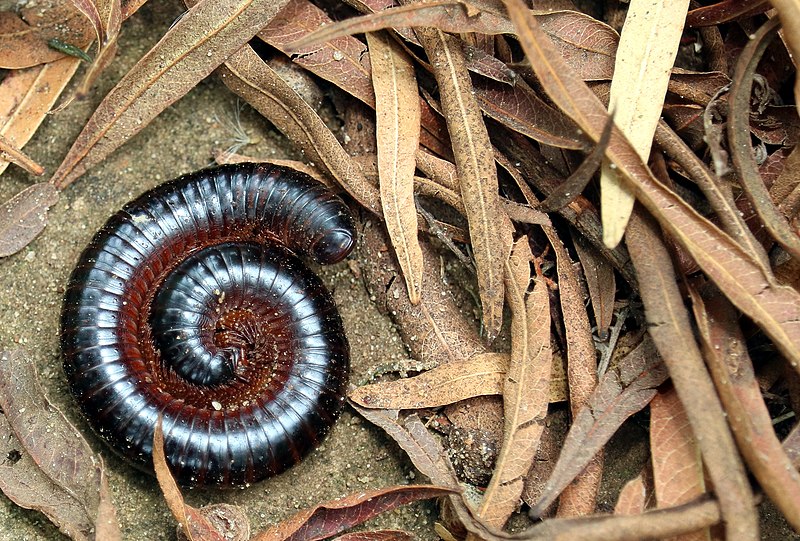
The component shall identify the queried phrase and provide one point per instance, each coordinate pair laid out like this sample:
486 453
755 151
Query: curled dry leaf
741 148
57 472
569 190
397 131
328 519
199 42
24 216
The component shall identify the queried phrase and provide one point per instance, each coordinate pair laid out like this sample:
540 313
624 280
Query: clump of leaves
469 115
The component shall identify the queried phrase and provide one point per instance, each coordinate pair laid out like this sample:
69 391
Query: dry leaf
246 74
677 468
481 374
725 351
632 498
622 391
671 330
428 457
526 387
490 229
641 75
379 535
24 38
57 473
24 216
397 131
194 525
600 281
199 42
580 497
8 152
741 149
325 520
586 44
26 96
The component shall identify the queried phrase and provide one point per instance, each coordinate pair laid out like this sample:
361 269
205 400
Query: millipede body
191 303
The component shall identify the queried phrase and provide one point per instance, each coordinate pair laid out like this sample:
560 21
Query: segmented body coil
190 303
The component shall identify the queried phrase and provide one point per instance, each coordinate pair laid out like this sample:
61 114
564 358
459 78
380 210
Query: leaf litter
441 93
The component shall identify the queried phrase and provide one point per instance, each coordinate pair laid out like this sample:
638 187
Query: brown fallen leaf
56 473
427 455
193 522
24 216
569 190
677 468
580 497
622 391
587 45
600 281
725 351
641 76
672 332
489 227
8 152
247 75
24 37
632 498
525 391
397 131
26 96
741 148
378 535
724 11
521 109
106 19
448 16
328 519
199 42
481 374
